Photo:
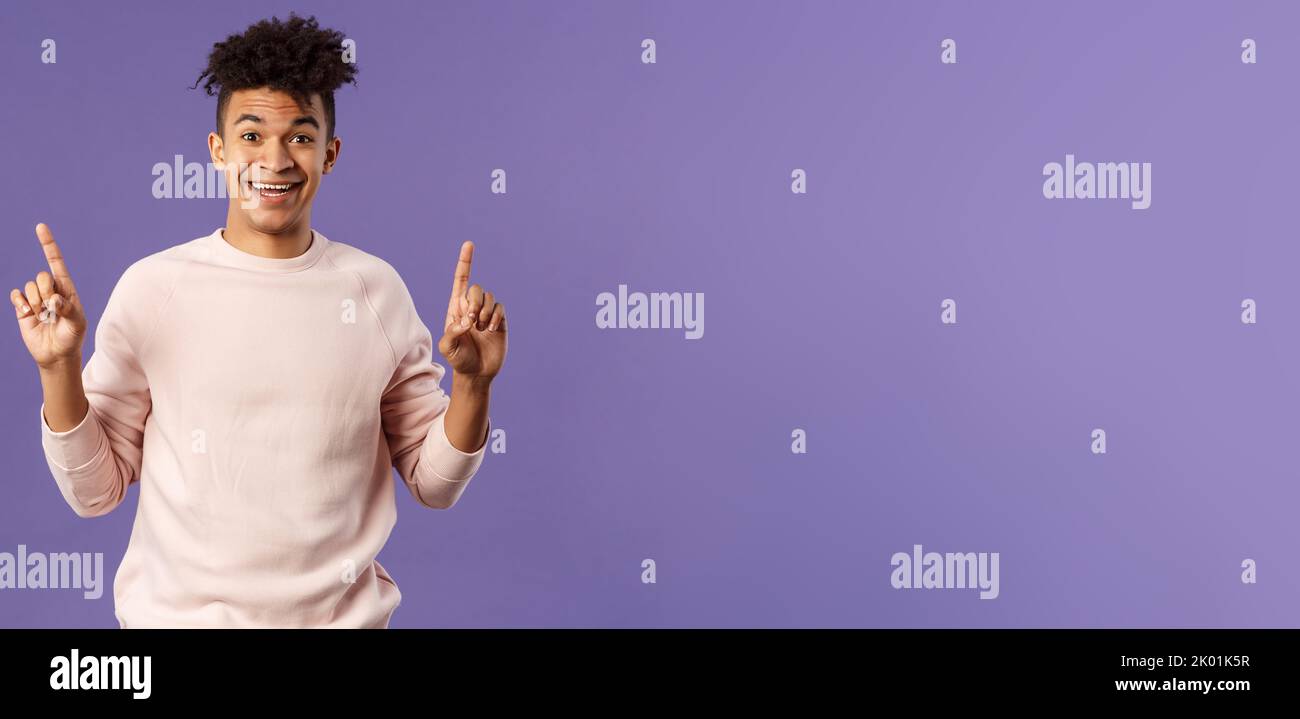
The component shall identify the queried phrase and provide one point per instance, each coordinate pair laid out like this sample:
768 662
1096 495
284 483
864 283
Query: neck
291 242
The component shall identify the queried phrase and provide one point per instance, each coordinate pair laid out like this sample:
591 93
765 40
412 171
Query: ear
332 154
216 148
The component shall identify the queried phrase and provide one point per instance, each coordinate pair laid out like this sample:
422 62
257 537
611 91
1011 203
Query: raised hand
474 333
50 315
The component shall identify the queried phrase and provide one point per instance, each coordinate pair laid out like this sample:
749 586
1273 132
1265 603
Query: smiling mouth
272 190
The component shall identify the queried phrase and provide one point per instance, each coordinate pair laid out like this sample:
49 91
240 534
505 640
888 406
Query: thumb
52 308
60 306
451 338
67 309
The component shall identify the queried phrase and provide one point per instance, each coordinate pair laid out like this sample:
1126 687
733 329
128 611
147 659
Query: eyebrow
304 120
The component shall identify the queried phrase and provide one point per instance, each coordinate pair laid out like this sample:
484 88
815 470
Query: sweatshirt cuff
75 448
445 459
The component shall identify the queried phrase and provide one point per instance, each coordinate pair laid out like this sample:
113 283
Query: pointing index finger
53 256
460 280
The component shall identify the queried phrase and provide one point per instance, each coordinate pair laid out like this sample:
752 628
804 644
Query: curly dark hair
296 56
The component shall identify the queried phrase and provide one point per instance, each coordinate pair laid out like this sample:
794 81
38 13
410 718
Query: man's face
268 142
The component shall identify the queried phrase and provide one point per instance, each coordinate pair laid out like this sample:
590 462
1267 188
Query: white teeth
267 186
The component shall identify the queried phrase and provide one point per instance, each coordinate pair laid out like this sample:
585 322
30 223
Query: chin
272 225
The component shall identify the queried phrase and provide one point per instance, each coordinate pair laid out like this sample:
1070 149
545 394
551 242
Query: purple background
822 309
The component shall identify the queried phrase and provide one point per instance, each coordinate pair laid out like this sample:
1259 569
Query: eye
245 136
304 138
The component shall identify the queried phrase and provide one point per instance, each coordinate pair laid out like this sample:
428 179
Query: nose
274 158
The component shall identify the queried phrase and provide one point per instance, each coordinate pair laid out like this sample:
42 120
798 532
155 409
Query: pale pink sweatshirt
261 404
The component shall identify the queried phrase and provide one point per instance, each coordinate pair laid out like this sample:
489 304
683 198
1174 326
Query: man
261 382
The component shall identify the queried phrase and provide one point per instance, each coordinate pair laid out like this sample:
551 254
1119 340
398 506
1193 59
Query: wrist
60 366
476 384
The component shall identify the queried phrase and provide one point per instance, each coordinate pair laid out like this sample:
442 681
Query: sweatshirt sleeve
94 462
414 407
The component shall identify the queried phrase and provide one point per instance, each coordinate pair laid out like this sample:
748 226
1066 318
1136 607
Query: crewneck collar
235 257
